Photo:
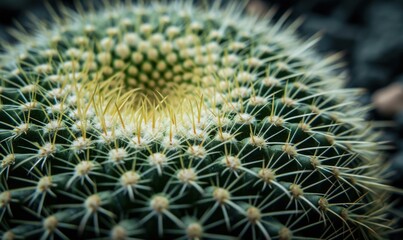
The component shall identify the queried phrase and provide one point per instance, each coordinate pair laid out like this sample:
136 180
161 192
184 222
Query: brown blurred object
257 7
389 100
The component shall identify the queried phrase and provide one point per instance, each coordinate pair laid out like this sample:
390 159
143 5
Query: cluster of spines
267 149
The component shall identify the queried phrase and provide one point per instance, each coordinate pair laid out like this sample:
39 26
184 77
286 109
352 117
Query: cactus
171 120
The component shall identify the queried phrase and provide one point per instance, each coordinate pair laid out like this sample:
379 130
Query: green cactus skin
173 121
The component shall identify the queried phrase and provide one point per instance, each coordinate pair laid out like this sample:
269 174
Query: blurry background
368 32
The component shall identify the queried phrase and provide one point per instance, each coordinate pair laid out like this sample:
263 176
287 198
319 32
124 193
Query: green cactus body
176 121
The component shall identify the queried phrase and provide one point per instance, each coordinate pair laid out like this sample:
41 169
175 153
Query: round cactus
175 121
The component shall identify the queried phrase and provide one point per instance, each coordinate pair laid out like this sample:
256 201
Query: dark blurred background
368 32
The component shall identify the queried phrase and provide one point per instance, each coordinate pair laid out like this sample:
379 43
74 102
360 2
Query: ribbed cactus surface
180 121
